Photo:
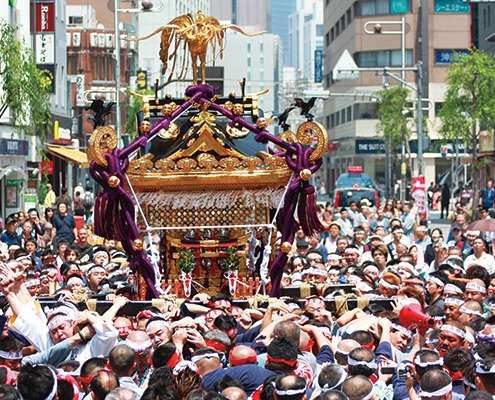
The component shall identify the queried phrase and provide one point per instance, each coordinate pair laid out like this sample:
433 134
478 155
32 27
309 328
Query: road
434 221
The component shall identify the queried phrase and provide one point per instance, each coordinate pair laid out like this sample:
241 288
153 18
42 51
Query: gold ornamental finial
198 33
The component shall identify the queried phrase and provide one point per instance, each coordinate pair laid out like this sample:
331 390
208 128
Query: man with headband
476 291
37 382
290 387
485 375
158 331
470 311
436 385
451 307
95 275
359 388
452 334
11 352
141 345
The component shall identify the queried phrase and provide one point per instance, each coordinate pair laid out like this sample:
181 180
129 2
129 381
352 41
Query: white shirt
486 260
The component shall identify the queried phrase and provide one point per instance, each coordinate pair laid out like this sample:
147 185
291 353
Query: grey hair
121 393
218 336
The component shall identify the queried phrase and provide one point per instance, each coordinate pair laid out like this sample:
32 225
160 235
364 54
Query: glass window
365 110
342 115
349 114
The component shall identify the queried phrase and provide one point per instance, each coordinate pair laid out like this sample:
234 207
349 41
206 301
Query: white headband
387 285
437 281
137 347
54 387
453 288
475 286
31 283
467 383
195 359
453 329
96 269
158 322
11 355
466 310
59 319
343 377
440 392
452 300
288 392
481 368
425 364
370 364
470 338
403 330
75 279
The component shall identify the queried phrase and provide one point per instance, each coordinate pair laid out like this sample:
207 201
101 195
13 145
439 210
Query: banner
419 195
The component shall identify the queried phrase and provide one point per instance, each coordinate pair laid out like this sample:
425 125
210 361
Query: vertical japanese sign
80 91
318 66
419 194
44 31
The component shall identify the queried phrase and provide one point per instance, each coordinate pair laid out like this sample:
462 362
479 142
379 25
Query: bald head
347 345
122 360
241 355
357 387
138 336
234 393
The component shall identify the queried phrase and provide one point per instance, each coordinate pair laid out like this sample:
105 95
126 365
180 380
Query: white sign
80 91
345 67
45 48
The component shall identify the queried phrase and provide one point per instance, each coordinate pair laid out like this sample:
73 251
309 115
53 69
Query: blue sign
318 66
370 146
451 6
446 56
11 147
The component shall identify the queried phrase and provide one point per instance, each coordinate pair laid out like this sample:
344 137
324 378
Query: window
382 58
72 65
438 107
332 35
349 114
75 21
342 22
102 68
337 28
365 110
337 118
342 116
349 16
327 121
375 7
319 30
332 120
327 39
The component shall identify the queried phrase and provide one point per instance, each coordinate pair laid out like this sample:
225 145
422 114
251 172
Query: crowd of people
284 349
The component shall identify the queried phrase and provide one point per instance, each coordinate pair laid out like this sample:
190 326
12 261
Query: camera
402 372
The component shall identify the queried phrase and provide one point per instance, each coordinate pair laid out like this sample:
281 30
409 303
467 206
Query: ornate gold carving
171 133
187 164
207 161
113 181
311 129
237 133
286 247
305 174
203 116
137 244
103 140
229 163
251 163
165 165
145 126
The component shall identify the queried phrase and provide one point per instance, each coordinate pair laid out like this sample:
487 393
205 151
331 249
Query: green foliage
23 88
469 100
133 106
231 261
392 123
187 262
469 105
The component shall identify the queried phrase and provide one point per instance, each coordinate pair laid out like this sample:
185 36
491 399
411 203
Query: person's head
282 355
290 387
140 344
37 382
60 327
452 306
122 360
88 369
470 310
121 393
11 352
158 330
331 377
438 383
427 360
96 273
103 382
287 329
62 208
124 326
82 235
485 375
400 336
241 355
358 387
351 255
475 290
380 254
361 361
389 284
452 334
206 359
344 347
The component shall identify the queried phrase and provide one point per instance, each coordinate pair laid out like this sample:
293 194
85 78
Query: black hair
427 356
361 354
225 322
35 382
457 358
479 272
225 382
101 386
162 354
8 392
478 324
268 388
478 395
160 392
65 391
162 376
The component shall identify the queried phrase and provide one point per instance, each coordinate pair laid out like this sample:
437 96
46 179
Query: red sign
333 146
419 194
45 17
46 167
355 169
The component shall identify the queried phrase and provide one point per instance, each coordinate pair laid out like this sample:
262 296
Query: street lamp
146 6
377 29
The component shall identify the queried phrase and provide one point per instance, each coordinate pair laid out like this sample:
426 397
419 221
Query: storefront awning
469 160
70 155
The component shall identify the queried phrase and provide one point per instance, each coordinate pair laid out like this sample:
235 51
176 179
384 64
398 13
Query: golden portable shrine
203 178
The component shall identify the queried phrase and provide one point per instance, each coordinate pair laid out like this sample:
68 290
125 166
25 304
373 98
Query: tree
469 106
392 122
132 107
23 87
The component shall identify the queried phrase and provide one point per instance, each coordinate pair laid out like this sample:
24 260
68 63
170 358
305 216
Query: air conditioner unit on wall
68 39
101 40
109 40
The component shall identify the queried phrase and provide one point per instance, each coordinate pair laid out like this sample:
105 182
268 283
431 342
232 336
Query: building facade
433 31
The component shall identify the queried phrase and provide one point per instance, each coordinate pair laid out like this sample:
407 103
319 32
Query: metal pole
403 47
117 73
420 118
